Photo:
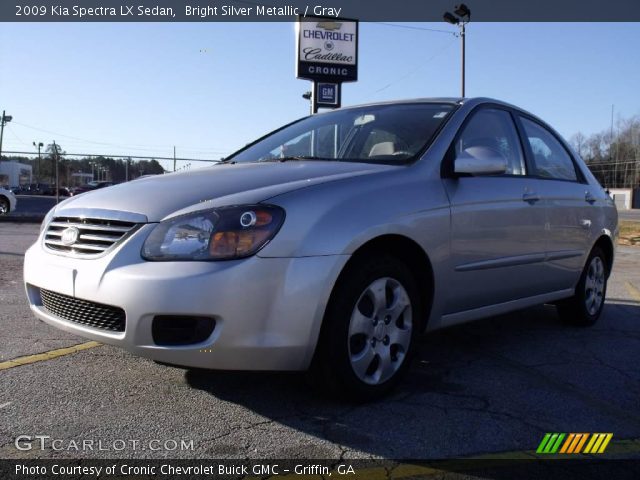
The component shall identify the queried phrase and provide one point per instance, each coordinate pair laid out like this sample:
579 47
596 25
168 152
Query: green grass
629 233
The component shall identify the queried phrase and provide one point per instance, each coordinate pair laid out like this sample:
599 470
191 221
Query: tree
578 142
613 156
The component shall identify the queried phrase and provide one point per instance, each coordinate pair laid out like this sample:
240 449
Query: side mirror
480 161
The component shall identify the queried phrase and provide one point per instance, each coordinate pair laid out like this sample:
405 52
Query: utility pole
3 121
462 34
39 145
56 159
461 18
126 169
615 162
174 158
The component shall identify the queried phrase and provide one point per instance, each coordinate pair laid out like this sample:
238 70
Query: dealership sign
327 49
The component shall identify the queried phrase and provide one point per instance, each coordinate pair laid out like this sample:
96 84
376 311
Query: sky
210 88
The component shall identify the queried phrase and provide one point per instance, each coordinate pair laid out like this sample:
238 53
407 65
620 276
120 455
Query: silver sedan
330 244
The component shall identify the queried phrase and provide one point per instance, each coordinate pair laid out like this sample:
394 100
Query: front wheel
585 307
369 330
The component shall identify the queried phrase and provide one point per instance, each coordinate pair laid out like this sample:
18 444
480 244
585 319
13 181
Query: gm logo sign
328 94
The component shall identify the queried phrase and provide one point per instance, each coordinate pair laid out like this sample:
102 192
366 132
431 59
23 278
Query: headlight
217 234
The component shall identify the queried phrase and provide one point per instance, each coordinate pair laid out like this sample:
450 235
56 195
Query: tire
4 206
585 307
369 330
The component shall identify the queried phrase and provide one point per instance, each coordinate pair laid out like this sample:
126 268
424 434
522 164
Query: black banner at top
288 10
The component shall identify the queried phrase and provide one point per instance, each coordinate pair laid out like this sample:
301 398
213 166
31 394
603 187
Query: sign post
327 54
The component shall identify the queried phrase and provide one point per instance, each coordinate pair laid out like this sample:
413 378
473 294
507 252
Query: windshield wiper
290 158
299 158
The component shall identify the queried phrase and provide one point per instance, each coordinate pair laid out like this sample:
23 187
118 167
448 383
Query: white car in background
8 201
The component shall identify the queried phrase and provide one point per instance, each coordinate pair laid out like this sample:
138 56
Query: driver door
497 221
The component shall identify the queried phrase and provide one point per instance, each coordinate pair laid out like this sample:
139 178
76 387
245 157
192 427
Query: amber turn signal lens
236 243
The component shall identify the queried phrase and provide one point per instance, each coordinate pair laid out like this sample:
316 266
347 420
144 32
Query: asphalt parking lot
490 388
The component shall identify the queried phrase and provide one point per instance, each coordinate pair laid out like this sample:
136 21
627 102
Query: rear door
568 199
497 221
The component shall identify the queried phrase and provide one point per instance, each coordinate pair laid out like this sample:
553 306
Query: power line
128 146
411 27
107 155
595 164
413 71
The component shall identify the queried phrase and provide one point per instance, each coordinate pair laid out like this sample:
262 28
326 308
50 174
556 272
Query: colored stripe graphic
574 443
583 439
598 443
544 441
550 443
567 443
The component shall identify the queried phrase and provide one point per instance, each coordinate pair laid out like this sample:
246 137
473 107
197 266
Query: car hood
226 184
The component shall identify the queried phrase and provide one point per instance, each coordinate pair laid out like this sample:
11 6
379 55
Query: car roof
470 101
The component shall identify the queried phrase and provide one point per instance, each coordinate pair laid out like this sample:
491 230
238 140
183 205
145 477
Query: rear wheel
369 330
585 307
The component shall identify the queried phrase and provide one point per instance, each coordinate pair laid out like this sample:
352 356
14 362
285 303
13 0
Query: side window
494 129
550 158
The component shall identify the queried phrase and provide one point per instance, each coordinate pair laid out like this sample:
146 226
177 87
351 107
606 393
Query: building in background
79 178
14 174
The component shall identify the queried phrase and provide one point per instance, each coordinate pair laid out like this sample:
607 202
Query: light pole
56 156
3 121
39 145
309 96
461 18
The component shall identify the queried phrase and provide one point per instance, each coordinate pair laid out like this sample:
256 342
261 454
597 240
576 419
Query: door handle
530 197
589 198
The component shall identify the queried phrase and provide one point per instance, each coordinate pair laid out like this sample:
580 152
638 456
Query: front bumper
268 311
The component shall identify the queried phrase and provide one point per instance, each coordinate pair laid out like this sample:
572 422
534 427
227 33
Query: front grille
87 313
93 236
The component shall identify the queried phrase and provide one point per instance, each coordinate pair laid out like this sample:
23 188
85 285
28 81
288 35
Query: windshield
392 134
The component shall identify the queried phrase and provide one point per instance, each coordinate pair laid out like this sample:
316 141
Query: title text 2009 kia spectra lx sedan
330 244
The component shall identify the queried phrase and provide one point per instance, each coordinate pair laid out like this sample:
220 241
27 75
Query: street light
461 18
39 145
93 174
3 121
309 96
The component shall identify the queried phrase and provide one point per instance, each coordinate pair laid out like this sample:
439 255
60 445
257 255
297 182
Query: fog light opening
172 330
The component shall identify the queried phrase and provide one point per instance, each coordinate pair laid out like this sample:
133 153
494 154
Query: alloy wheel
380 331
594 285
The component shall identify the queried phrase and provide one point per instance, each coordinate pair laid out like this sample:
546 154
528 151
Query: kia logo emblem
70 236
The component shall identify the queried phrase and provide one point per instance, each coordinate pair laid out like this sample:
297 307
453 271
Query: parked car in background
8 201
32 189
90 186
332 243
38 189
